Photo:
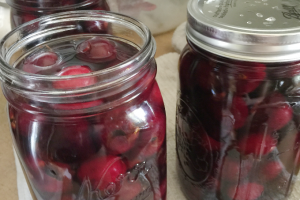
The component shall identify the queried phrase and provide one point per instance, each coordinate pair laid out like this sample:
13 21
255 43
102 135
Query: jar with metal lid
23 11
87 117
238 109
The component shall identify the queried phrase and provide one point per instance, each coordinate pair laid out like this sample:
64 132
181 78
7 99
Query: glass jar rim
9 73
36 5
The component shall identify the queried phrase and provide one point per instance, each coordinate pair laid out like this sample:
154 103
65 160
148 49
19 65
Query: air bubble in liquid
259 15
264 0
249 22
266 4
271 19
276 7
241 15
257 1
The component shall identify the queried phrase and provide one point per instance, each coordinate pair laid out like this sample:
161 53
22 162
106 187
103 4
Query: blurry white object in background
4 18
159 15
179 38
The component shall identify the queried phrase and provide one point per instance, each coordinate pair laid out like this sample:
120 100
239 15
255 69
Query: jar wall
237 127
126 145
21 12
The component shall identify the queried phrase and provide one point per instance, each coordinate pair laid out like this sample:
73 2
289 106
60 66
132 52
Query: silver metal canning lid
251 30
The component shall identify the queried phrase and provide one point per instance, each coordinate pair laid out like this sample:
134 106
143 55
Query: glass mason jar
24 11
237 124
86 114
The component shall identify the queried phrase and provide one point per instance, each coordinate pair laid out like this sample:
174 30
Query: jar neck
120 83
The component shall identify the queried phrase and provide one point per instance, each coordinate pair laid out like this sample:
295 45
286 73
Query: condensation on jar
23 11
86 114
238 108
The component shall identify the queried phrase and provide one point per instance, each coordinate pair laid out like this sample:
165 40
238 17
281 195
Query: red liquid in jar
24 11
237 135
114 154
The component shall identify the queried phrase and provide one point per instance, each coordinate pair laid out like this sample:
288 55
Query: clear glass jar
24 11
86 114
237 128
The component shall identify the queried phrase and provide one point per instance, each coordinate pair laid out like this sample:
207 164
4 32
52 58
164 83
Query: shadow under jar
23 11
86 114
237 124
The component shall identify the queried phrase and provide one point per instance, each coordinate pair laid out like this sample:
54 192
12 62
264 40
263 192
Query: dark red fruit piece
25 122
75 106
150 140
270 170
249 77
274 113
68 2
186 60
69 143
204 74
279 112
74 83
258 144
96 26
154 134
120 133
67 197
26 17
240 112
40 62
101 171
155 97
162 190
247 191
46 59
96 50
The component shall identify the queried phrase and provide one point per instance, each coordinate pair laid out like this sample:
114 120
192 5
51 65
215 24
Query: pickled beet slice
74 83
101 171
40 62
247 191
258 144
96 50
250 78
270 170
